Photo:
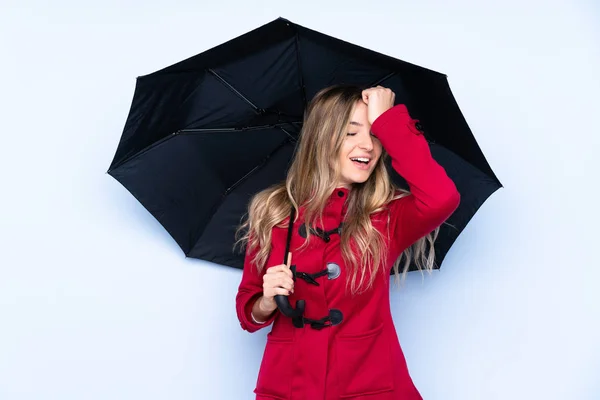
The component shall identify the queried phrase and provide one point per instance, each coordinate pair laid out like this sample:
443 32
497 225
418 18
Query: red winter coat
359 357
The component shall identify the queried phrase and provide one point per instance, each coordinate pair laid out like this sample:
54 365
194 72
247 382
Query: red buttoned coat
359 357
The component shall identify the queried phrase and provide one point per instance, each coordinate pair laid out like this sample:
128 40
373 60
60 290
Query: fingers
281 291
379 99
365 96
377 89
282 281
369 92
278 280
281 286
281 269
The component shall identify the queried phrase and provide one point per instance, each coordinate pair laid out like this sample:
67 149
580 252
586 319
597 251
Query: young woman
350 227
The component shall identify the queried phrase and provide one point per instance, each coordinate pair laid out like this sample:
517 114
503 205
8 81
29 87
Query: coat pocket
364 363
275 374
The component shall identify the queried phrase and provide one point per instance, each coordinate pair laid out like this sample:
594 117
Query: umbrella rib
377 82
145 149
299 63
292 138
208 130
246 128
260 165
240 181
234 90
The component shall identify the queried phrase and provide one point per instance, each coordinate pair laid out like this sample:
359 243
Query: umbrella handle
283 303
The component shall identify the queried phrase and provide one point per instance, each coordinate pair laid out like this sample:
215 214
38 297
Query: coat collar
337 204
335 207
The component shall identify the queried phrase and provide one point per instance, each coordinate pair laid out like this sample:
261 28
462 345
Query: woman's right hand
379 99
277 280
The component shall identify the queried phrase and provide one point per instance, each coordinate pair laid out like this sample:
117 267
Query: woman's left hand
379 99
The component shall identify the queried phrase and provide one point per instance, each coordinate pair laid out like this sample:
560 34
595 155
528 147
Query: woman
351 226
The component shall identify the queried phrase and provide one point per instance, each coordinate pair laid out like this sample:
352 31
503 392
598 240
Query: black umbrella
205 134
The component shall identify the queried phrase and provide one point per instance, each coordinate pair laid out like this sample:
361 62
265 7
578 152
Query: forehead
359 116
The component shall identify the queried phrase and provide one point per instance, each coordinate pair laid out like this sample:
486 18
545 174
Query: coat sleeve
433 197
249 290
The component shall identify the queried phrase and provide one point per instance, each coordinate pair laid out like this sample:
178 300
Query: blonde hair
312 177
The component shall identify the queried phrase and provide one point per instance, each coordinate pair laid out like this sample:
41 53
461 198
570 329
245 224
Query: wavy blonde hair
312 177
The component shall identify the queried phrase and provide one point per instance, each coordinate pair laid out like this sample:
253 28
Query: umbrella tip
287 21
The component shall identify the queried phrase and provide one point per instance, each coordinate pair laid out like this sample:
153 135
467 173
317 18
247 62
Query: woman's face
360 151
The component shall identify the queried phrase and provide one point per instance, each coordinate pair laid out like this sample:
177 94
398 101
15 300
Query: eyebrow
355 123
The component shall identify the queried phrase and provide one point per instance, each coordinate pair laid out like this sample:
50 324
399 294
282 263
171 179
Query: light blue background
98 302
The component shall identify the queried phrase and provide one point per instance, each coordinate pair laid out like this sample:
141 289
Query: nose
366 142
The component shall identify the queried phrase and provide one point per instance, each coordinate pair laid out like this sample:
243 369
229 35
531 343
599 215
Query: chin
359 179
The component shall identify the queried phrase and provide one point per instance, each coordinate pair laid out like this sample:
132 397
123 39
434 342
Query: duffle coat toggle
325 235
335 317
332 271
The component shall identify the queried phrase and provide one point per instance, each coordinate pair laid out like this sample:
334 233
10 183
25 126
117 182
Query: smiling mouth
362 163
361 160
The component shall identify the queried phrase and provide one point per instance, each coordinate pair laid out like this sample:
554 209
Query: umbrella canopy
205 134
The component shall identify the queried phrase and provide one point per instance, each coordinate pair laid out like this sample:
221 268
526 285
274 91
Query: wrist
265 306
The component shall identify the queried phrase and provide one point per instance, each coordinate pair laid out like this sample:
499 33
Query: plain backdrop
98 302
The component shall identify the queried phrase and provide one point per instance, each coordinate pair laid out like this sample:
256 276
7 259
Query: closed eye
351 133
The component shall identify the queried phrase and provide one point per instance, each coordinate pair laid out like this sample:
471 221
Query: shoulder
400 196
394 205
